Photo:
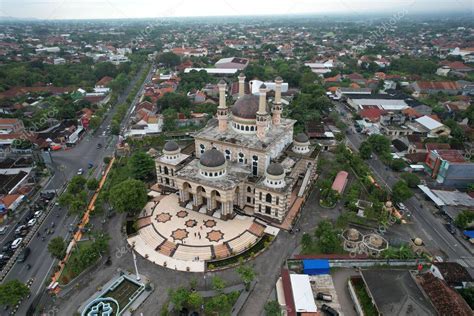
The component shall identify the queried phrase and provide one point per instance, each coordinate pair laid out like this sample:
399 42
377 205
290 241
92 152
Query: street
424 223
65 165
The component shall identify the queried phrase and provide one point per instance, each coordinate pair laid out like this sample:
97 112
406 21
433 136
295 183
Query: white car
80 171
31 222
38 214
16 243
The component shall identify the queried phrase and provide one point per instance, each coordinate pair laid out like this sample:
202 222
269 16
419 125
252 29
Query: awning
431 195
469 233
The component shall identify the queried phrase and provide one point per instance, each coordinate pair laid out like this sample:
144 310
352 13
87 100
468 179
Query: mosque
246 160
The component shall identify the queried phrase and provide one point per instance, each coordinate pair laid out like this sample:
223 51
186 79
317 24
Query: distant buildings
232 63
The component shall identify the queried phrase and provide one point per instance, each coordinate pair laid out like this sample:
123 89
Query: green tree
401 192
195 300
142 166
397 164
92 184
247 275
218 284
218 305
95 121
328 241
169 119
365 150
169 59
380 144
272 308
306 242
76 184
115 127
179 297
411 179
468 295
464 219
128 196
12 292
57 247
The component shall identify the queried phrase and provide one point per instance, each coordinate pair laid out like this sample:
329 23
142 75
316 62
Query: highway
424 223
66 164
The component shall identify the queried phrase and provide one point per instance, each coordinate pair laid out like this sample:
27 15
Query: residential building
232 63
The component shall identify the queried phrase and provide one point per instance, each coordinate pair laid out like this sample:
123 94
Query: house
450 168
341 91
215 71
190 52
371 114
232 63
11 183
454 274
101 86
340 182
393 292
446 301
434 87
10 126
321 67
295 294
357 78
430 127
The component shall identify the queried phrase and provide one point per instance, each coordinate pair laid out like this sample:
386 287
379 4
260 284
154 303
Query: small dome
246 107
275 169
418 241
302 138
241 75
171 146
212 158
353 234
388 204
221 82
278 78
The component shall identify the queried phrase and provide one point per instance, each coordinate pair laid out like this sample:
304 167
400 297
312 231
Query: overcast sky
98 9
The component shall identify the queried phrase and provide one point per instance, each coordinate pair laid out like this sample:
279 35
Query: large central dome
246 107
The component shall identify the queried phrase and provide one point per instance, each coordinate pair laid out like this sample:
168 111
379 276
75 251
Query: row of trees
326 239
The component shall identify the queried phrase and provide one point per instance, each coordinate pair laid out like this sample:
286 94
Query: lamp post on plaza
135 263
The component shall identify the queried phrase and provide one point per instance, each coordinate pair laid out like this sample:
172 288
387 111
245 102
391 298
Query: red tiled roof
437 146
372 114
437 85
16 91
5 121
104 81
451 155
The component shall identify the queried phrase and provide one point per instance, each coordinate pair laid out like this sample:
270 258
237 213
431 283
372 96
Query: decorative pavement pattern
182 214
210 223
190 223
163 217
180 234
215 235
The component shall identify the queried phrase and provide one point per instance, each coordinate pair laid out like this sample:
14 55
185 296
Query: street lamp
135 263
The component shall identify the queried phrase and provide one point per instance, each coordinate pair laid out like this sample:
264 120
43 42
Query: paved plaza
182 239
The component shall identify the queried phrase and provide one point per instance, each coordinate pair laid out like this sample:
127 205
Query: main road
424 223
65 166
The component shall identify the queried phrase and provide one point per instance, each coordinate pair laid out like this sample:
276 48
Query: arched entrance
187 195
216 203
201 198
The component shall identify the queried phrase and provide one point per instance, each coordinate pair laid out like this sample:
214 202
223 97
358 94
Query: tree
76 184
169 119
306 242
179 297
104 69
411 179
397 164
142 166
247 275
328 240
272 308
365 150
12 292
468 295
94 123
380 144
218 305
57 247
169 59
218 284
195 300
128 196
92 184
464 219
401 192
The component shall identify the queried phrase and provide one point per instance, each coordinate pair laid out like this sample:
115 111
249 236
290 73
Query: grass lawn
365 300
68 273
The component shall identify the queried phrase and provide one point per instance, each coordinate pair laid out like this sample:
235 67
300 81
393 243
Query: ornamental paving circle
190 223
182 214
180 234
163 217
215 235
210 223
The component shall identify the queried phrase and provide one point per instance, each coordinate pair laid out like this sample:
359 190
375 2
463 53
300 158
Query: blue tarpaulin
469 233
316 266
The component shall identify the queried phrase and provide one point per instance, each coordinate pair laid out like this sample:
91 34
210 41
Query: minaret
222 111
277 108
262 115
241 84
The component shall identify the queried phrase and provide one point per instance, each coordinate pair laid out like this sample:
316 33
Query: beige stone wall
277 210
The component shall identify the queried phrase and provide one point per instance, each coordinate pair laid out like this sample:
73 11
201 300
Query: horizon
121 9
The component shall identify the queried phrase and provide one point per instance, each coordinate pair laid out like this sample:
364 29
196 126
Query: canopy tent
316 266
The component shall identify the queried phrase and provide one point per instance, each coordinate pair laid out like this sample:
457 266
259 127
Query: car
3 230
16 243
38 214
451 228
402 206
24 254
328 310
324 297
99 146
19 229
80 171
4 256
31 222
7 246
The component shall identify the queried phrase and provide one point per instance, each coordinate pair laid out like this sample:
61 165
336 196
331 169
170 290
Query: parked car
80 171
328 310
19 229
99 146
16 243
7 246
31 222
38 214
451 228
24 254
324 297
3 230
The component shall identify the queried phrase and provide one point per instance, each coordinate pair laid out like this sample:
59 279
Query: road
424 223
65 165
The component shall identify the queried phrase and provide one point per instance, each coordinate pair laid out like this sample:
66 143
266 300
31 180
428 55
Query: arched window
159 168
241 157
166 170
254 165
277 200
227 154
247 128
268 198
249 189
203 148
252 128
260 196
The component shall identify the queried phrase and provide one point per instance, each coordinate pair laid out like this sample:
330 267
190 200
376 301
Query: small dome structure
171 146
301 138
171 150
275 169
246 107
212 158
418 241
301 144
